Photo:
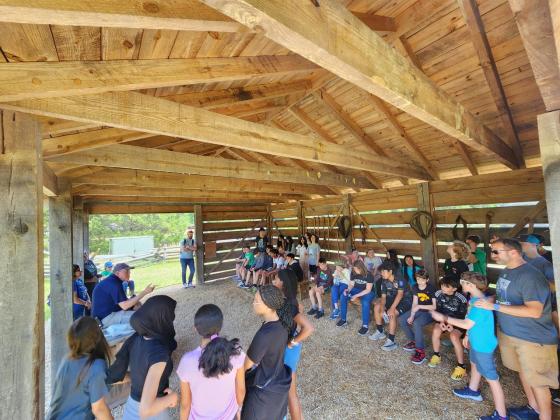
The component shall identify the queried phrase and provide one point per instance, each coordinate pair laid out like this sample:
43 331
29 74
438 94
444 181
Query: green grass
160 274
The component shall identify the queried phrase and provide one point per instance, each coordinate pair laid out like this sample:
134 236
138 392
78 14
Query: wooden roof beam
117 178
138 112
471 15
175 15
466 156
134 157
377 22
302 117
333 38
542 43
51 79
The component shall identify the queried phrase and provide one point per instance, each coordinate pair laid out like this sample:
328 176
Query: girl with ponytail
286 280
268 380
212 375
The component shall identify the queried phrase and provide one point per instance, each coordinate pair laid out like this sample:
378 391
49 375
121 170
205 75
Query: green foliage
166 228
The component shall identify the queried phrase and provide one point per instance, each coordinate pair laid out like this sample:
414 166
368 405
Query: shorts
485 364
538 362
312 269
292 356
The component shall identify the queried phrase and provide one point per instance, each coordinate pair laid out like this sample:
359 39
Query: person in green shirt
477 257
107 269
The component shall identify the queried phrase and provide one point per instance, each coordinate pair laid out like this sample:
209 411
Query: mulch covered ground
342 375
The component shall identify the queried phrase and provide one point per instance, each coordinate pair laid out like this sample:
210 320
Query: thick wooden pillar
78 233
429 245
85 215
21 258
549 139
301 221
347 211
199 233
60 250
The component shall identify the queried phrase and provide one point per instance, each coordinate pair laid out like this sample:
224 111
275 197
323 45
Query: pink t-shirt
212 398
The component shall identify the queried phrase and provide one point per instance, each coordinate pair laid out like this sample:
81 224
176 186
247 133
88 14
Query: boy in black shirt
323 280
451 303
414 321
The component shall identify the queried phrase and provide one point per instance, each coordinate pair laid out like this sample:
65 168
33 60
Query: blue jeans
415 332
336 293
365 301
184 263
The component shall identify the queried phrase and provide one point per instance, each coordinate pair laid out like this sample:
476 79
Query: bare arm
239 386
101 410
398 299
364 292
306 327
150 404
248 363
531 309
77 300
130 303
186 399
415 306
466 324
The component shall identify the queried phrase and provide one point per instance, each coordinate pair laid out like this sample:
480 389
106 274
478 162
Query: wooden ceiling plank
134 157
534 21
138 112
333 38
471 15
178 15
50 79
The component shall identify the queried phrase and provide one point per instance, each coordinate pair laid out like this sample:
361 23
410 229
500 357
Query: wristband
497 307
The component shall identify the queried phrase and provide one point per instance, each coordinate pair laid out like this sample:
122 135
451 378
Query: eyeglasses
464 282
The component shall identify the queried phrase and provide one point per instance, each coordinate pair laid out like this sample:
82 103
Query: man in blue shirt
110 303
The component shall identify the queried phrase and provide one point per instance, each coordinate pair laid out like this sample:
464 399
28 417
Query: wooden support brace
368 228
199 233
535 212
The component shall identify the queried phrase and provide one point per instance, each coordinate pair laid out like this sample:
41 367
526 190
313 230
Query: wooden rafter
535 212
177 15
50 79
333 38
471 15
377 22
133 157
534 21
302 117
138 112
466 156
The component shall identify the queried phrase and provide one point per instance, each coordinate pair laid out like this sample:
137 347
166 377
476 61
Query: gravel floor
342 375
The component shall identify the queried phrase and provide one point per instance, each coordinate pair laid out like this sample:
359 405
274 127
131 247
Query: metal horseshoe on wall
422 223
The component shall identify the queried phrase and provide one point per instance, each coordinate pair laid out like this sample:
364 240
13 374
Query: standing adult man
188 248
527 336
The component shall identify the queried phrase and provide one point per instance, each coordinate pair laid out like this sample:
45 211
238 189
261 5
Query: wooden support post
78 233
301 229
346 211
269 224
22 341
86 229
199 233
429 245
60 253
549 139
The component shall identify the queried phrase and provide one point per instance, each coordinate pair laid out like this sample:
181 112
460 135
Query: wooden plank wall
507 196
226 225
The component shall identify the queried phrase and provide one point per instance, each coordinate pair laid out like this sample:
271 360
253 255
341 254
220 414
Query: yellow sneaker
434 361
458 373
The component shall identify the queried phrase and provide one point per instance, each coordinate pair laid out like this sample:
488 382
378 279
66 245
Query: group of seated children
256 268
412 302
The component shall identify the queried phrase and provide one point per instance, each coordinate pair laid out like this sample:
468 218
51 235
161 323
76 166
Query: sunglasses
497 251
464 282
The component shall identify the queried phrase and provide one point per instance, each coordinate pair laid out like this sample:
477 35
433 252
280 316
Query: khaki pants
537 362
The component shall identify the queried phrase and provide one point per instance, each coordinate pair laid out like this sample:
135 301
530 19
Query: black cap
121 266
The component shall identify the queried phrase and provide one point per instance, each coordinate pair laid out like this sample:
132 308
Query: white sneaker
389 345
377 336
184 286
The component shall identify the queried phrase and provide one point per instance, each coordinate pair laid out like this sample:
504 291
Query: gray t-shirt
71 401
517 286
187 254
313 251
543 265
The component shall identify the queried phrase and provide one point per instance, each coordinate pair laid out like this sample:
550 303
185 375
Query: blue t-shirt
481 335
71 401
187 255
80 289
106 297
517 286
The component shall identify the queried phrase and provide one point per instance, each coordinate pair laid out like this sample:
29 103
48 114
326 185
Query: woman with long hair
286 280
301 250
79 388
314 253
409 269
268 380
212 375
148 354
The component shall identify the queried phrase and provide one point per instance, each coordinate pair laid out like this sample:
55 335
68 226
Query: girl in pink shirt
212 375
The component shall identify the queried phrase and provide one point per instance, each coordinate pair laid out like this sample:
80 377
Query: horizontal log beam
116 178
143 158
331 37
51 79
136 208
177 15
138 112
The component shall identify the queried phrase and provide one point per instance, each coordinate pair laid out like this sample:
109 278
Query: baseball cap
532 239
109 264
121 266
